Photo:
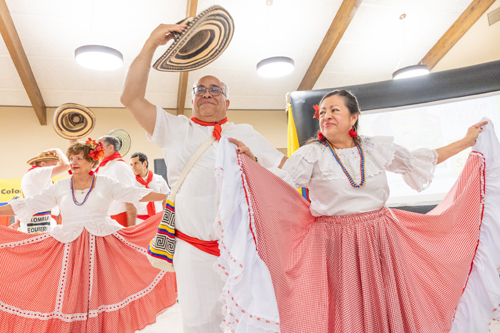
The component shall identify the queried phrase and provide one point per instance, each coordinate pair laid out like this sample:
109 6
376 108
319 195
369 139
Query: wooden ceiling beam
191 8
16 50
332 38
181 92
475 10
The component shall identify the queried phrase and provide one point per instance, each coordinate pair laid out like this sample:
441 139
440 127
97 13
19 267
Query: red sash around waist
121 218
210 247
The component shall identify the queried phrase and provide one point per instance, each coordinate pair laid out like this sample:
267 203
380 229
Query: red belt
210 247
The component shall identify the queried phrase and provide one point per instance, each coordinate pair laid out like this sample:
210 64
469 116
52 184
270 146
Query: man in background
113 166
146 178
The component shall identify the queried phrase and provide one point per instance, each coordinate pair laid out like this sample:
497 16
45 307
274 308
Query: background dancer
147 179
90 274
113 165
48 164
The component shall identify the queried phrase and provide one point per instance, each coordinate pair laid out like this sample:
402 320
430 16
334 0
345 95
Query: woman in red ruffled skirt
89 274
345 262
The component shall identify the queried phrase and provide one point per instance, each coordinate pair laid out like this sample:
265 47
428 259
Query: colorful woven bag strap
162 247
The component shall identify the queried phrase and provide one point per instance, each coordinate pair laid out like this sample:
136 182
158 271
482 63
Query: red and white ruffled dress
89 274
347 263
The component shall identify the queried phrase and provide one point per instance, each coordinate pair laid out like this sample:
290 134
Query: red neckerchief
217 129
115 156
151 205
33 167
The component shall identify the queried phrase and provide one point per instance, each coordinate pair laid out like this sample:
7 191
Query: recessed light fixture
275 66
98 57
410 71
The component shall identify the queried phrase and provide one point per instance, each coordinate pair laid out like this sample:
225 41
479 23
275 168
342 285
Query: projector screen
430 125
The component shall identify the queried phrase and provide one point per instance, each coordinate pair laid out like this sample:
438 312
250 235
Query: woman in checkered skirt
345 262
89 274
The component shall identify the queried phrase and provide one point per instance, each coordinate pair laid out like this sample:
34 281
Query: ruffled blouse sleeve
122 192
417 166
25 208
297 170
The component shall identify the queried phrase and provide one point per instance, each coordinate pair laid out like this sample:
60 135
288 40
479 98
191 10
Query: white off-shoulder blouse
92 215
330 191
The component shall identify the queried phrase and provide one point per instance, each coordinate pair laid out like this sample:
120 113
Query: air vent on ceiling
494 16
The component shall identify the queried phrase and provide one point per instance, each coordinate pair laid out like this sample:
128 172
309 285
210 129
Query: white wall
23 137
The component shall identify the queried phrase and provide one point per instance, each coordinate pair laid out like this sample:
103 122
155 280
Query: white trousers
199 287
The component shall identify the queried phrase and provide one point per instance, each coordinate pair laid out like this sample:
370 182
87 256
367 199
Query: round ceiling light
410 71
98 57
275 67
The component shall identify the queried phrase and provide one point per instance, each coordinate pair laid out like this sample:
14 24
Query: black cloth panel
161 168
417 209
466 81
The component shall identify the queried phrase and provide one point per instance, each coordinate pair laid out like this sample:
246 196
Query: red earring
321 137
352 133
70 172
91 173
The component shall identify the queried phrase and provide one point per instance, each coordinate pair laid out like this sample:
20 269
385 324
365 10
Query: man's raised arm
134 90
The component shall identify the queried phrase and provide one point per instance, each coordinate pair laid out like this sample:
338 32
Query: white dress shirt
159 185
121 172
33 183
196 202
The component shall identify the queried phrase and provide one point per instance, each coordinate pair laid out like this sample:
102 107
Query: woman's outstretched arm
153 196
6 210
456 147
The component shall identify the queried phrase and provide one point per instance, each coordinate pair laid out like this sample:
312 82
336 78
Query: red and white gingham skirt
93 284
381 271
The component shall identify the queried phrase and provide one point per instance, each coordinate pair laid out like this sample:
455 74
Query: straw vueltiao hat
73 121
43 156
205 38
124 138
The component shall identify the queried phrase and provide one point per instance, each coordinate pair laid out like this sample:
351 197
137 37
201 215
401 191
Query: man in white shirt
146 178
199 286
38 178
113 166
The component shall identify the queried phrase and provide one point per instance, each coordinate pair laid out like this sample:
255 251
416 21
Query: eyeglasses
212 89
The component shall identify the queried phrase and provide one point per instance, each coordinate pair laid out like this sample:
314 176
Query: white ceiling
370 50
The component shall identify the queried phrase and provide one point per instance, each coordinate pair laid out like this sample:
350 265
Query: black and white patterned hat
73 121
205 38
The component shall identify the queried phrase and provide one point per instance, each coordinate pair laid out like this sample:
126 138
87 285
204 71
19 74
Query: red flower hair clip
316 109
96 149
